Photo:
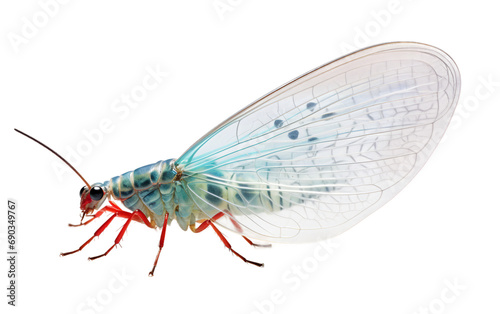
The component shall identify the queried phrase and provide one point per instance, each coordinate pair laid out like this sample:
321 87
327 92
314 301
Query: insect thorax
155 189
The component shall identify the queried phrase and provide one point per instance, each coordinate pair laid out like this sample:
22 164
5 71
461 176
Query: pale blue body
154 190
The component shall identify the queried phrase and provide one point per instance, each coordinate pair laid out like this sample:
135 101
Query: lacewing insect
307 161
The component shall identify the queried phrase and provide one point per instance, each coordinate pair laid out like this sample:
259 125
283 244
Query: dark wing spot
278 123
247 193
214 194
269 192
327 115
293 135
281 200
238 198
312 139
311 106
268 199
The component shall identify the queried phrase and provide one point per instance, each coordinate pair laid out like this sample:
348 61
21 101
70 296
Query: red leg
122 232
205 224
117 213
139 216
240 230
96 234
235 224
111 209
162 240
226 243
255 244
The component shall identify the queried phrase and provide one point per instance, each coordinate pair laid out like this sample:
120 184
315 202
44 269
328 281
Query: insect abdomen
244 192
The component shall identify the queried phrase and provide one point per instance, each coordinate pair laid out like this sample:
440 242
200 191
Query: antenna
88 185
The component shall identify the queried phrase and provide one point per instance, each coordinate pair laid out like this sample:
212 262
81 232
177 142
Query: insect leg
205 224
162 240
113 209
122 231
256 244
235 224
238 227
96 234
226 243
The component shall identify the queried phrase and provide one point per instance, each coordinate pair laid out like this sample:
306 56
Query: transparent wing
319 154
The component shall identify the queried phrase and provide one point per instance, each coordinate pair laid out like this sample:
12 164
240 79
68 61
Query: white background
62 79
